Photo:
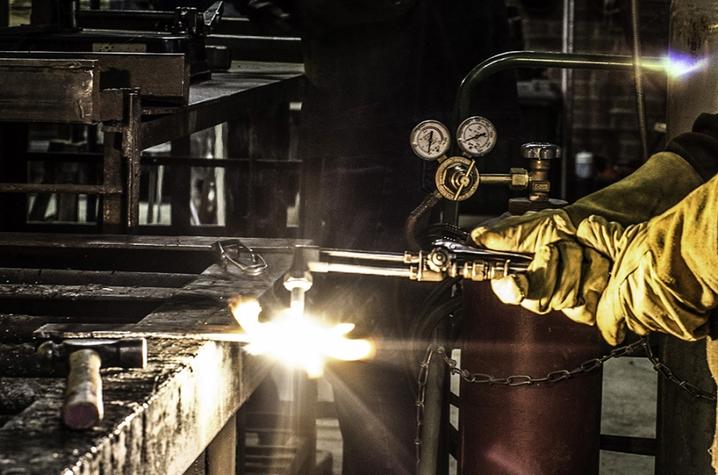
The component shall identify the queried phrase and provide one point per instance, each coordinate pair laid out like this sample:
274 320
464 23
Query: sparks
298 340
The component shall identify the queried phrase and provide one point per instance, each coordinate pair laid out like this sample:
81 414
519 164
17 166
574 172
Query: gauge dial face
457 178
430 140
476 136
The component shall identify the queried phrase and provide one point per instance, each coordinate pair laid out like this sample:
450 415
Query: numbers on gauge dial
430 140
476 136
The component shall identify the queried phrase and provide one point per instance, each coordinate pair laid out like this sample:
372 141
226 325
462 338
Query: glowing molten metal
298 340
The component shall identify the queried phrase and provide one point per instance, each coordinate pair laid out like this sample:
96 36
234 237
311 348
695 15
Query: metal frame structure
131 119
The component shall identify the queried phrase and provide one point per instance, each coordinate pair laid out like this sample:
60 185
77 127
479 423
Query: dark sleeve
700 146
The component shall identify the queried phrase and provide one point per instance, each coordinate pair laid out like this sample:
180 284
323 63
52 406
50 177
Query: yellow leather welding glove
565 276
561 276
664 274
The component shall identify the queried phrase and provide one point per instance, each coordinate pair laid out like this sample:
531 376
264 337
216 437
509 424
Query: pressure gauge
476 136
430 140
457 178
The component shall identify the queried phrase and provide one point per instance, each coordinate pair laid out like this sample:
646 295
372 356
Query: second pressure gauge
476 136
430 140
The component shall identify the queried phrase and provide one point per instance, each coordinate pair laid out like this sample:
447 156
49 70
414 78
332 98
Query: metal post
131 152
638 79
305 416
567 88
431 428
685 429
111 220
179 182
221 452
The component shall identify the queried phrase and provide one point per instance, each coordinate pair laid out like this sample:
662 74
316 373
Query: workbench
157 420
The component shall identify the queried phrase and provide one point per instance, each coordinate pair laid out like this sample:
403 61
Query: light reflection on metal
297 339
678 65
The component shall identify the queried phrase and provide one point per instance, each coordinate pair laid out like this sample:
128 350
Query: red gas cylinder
549 428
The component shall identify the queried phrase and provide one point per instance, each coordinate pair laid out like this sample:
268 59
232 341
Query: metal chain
421 397
551 377
667 373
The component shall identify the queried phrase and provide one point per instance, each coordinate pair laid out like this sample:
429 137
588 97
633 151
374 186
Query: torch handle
83 396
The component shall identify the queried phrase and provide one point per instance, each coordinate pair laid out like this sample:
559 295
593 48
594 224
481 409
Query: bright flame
298 340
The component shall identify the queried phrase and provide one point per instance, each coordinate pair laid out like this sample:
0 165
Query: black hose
424 330
421 327
412 220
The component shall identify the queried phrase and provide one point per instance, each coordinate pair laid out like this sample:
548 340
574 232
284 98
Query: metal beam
129 70
50 90
222 99
58 188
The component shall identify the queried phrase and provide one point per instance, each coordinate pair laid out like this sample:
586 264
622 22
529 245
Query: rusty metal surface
131 155
129 70
157 420
50 90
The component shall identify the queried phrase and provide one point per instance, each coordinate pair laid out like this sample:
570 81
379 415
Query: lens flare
298 340
678 65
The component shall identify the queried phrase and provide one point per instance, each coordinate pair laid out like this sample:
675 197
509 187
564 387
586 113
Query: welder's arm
689 160
565 275
663 276
656 186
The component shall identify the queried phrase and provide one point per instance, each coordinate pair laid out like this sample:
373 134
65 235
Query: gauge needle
482 134
431 141
464 182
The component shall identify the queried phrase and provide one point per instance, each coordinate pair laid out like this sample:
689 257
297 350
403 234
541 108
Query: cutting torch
445 260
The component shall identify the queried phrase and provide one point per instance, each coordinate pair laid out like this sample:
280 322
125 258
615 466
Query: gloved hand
562 276
664 271
565 276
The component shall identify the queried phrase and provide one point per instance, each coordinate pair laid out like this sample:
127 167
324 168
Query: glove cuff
658 184
699 147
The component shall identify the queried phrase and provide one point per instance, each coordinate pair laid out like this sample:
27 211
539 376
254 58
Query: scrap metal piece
76 333
234 252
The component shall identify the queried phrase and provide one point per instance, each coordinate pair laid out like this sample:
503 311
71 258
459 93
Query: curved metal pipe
543 59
